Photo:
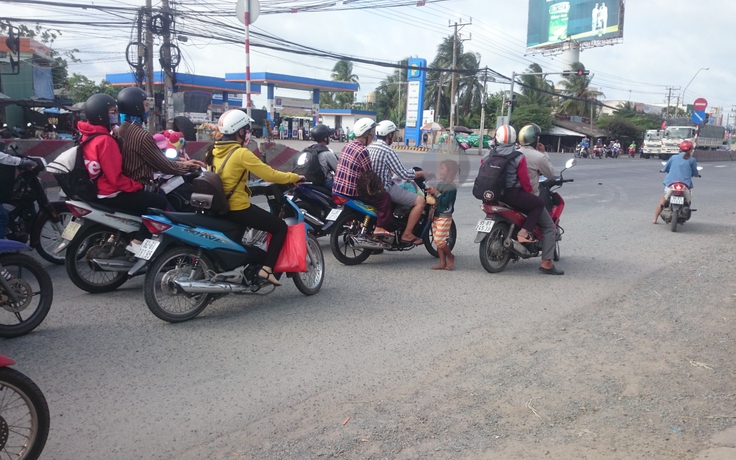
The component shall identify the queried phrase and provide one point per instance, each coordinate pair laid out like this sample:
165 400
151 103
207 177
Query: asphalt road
276 376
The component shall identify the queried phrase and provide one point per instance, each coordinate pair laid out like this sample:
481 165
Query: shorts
441 230
402 196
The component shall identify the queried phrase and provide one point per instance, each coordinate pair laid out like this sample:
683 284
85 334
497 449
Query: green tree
534 86
391 96
343 71
578 86
532 113
80 88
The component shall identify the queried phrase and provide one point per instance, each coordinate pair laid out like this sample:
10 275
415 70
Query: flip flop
383 234
523 240
416 241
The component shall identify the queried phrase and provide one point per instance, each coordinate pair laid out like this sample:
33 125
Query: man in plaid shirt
387 164
354 161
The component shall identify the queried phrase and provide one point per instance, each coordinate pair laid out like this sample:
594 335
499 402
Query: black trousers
137 203
528 203
260 219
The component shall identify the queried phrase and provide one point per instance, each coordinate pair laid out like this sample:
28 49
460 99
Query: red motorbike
24 414
497 233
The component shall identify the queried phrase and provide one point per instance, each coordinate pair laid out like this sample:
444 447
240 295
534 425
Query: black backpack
310 168
76 182
491 180
208 192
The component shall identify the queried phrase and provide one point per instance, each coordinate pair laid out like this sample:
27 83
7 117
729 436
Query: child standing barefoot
446 193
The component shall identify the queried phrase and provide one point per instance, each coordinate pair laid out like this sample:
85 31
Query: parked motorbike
95 240
26 291
497 233
676 209
33 218
352 240
195 258
24 414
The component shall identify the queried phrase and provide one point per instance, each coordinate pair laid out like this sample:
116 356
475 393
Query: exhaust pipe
517 248
207 287
112 265
312 220
364 243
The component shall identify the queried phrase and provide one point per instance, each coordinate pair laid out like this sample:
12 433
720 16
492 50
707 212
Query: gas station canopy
186 82
292 82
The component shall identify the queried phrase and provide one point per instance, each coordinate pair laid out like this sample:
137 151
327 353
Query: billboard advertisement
553 22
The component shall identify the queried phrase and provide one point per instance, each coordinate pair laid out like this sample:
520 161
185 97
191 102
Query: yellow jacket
243 159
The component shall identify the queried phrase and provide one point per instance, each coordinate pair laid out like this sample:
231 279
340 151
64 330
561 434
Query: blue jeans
4 219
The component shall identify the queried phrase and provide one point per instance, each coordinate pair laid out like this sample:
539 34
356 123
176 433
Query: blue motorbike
196 259
26 291
316 204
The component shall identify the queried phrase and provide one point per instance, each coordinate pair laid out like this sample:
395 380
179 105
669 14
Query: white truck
652 145
710 137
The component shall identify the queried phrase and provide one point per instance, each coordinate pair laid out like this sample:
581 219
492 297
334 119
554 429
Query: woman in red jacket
104 163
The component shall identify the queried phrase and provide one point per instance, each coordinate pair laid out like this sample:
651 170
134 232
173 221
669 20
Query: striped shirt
142 157
354 161
386 163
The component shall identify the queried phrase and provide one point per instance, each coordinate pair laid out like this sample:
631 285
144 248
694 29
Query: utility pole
669 98
511 96
149 69
167 69
484 99
139 73
458 27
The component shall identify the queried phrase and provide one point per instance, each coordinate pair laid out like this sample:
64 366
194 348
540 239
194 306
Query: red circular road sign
700 104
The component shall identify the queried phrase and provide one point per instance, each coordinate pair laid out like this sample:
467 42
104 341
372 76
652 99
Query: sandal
383 233
269 276
523 240
415 242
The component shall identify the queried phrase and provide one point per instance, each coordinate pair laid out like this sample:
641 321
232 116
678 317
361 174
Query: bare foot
654 221
439 267
450 261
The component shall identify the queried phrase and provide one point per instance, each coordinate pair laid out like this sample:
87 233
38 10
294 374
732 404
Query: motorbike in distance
497 232
678 199
24 414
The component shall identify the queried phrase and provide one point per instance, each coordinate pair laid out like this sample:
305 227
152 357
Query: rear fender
5 361
141 265
13 246
362 208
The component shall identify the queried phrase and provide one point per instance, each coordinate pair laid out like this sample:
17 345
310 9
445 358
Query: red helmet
686 146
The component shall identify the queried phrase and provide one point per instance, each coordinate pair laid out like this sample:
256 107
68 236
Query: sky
665 44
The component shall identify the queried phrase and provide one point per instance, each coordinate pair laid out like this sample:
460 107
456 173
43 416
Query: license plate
147 249
485 226
334 214
677 200
71 229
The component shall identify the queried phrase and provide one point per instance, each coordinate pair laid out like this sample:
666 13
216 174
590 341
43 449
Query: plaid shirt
354 161
386 163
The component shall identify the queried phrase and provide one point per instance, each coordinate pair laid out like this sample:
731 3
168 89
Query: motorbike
24 414
95 239
32 217
316 204
598 152
676 209
497 232
195 258
632 152
352 240
581 152
26 291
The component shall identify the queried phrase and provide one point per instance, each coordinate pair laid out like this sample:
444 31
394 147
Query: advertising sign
412 105
415 100
292 103
553 22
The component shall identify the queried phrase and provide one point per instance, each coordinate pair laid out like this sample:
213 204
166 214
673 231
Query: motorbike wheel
159 293
310 282
32 284
85 247
349 224
429 240
673 221
24 416
49 238
493 255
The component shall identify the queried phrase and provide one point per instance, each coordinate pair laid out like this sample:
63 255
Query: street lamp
691 80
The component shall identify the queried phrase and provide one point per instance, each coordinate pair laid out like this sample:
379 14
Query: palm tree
626 109
578 86
343 71
530 93
437 92
391 96
469 88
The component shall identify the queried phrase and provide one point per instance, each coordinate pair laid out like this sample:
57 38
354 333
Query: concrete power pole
483 112
458 27
167 69
149 69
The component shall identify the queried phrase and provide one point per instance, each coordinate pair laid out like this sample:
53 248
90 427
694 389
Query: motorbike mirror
570 163
171 154
302 160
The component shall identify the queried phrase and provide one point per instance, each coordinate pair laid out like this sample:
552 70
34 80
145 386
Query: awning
563 132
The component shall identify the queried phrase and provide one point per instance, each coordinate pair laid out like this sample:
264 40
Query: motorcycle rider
327 158
679 168
23 164
234 128
141 156
386 164
354 161
538 163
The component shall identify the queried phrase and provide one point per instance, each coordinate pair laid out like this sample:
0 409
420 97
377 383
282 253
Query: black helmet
97 109
321 133
130 101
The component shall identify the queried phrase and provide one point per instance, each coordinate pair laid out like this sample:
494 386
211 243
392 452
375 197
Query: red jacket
522 172
104 162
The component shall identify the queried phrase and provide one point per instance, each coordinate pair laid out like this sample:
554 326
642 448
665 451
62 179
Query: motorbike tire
47 236
163 263
346 254
493 255
429 240
22 264
310 282
76 265
27 403
673 221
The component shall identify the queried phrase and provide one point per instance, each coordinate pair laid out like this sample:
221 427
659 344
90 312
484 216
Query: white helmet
385 128
233 121
362 126
506 134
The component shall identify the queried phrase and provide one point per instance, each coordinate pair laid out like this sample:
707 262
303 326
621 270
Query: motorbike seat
198 220
103 207
321 189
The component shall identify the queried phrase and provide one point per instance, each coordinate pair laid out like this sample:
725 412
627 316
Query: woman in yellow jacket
234 126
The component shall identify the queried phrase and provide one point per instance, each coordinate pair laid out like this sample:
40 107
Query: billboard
554 22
